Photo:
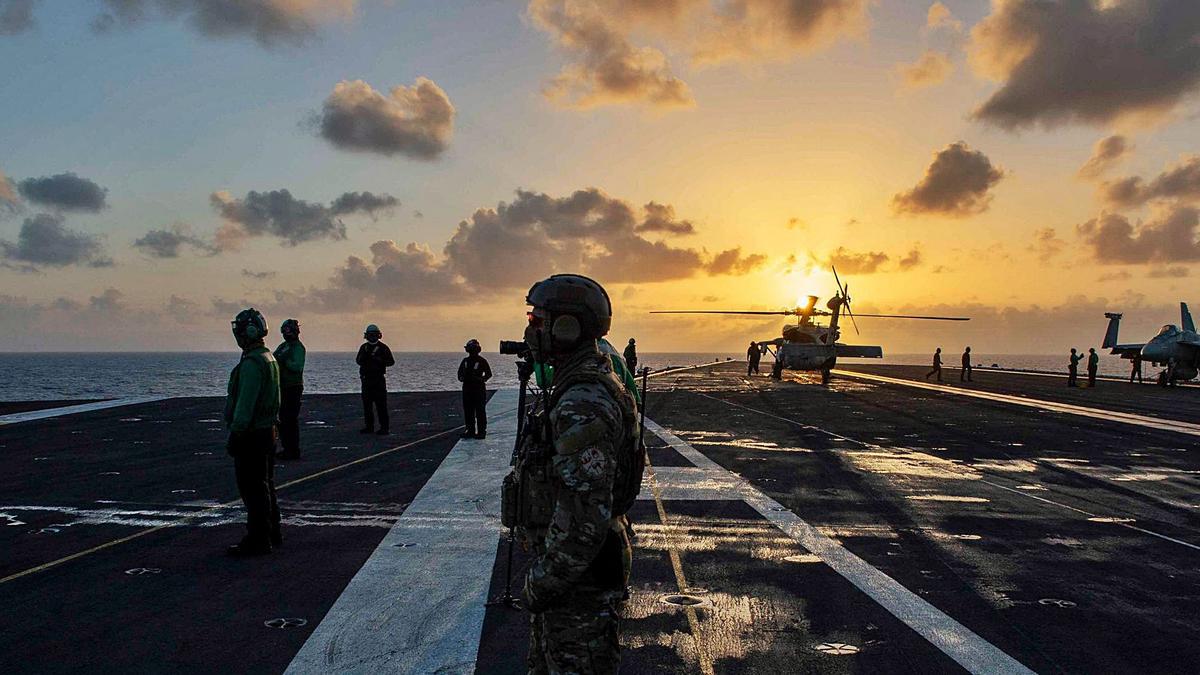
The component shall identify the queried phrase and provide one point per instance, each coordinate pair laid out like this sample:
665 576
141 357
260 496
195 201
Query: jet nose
1154 353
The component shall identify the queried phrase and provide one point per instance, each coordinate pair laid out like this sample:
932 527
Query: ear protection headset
565 330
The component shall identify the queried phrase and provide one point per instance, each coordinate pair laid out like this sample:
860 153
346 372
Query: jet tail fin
1110 335
1185 318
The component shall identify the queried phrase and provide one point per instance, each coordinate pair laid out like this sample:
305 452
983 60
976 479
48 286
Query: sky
418 165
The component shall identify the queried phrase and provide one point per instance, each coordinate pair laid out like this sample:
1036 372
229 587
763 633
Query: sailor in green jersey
251 412
619 367
290 357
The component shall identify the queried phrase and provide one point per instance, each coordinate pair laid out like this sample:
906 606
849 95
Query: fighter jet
1176 351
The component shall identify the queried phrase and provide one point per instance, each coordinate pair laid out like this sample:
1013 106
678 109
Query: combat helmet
572 295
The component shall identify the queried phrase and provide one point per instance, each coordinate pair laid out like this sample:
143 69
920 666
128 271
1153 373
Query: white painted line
958 642
419 608
1147 421
46 413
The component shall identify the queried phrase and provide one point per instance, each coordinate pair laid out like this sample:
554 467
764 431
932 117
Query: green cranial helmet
372 329
249 326
289 327
576 296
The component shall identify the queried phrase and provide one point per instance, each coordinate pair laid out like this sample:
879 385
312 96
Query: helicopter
810 346
1177 351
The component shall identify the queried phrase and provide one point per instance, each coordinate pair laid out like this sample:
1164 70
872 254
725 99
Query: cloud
1085 60
65 192
911 259
1168 273
258 276
16 16
850 262
956 184
1180 182
939 17
111 300
268 22
932 68
661 218
588 232
794 223
1170 238
1120 275
772 29
605 68
1047 244
293 220
416 121
166 243
363 202
44 240
609 62
731 261
1107 152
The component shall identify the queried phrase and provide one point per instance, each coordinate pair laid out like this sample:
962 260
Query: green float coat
253 401
290 357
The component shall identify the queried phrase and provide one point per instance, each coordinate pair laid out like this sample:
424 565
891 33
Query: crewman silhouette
753 356
1093 366
1073 369
937 365
965 373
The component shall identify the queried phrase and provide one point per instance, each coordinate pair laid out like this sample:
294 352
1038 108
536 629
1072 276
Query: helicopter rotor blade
844 293
781 312
909 316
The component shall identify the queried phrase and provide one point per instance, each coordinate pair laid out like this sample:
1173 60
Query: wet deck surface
1067 543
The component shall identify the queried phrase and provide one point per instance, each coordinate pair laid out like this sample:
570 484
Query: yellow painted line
1146 421
705 661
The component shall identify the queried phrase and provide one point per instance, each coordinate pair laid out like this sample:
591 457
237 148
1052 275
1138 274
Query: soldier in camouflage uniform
575 584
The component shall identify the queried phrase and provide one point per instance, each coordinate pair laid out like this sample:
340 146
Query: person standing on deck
1073 369
474 372
753 356
251 412
1137 369
1093 366
937 365
290 356
967 370
575 482
631 356
374 358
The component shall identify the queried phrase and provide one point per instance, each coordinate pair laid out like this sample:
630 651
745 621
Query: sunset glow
418 165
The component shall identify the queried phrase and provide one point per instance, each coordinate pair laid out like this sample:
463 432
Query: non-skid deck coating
861 527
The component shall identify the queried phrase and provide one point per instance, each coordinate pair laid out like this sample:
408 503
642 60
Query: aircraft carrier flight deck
880 524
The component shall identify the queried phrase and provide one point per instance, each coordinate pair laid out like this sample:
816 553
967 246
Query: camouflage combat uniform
575 586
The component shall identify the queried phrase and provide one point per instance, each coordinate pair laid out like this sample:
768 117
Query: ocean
59 375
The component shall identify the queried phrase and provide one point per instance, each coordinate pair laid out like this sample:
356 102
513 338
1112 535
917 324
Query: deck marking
141 533
970 651
420 609
875 446
1147 421
702 656
45 413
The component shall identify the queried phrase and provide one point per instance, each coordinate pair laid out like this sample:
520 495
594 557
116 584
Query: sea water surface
59 375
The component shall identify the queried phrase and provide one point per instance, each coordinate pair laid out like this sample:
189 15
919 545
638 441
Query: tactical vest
527 498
